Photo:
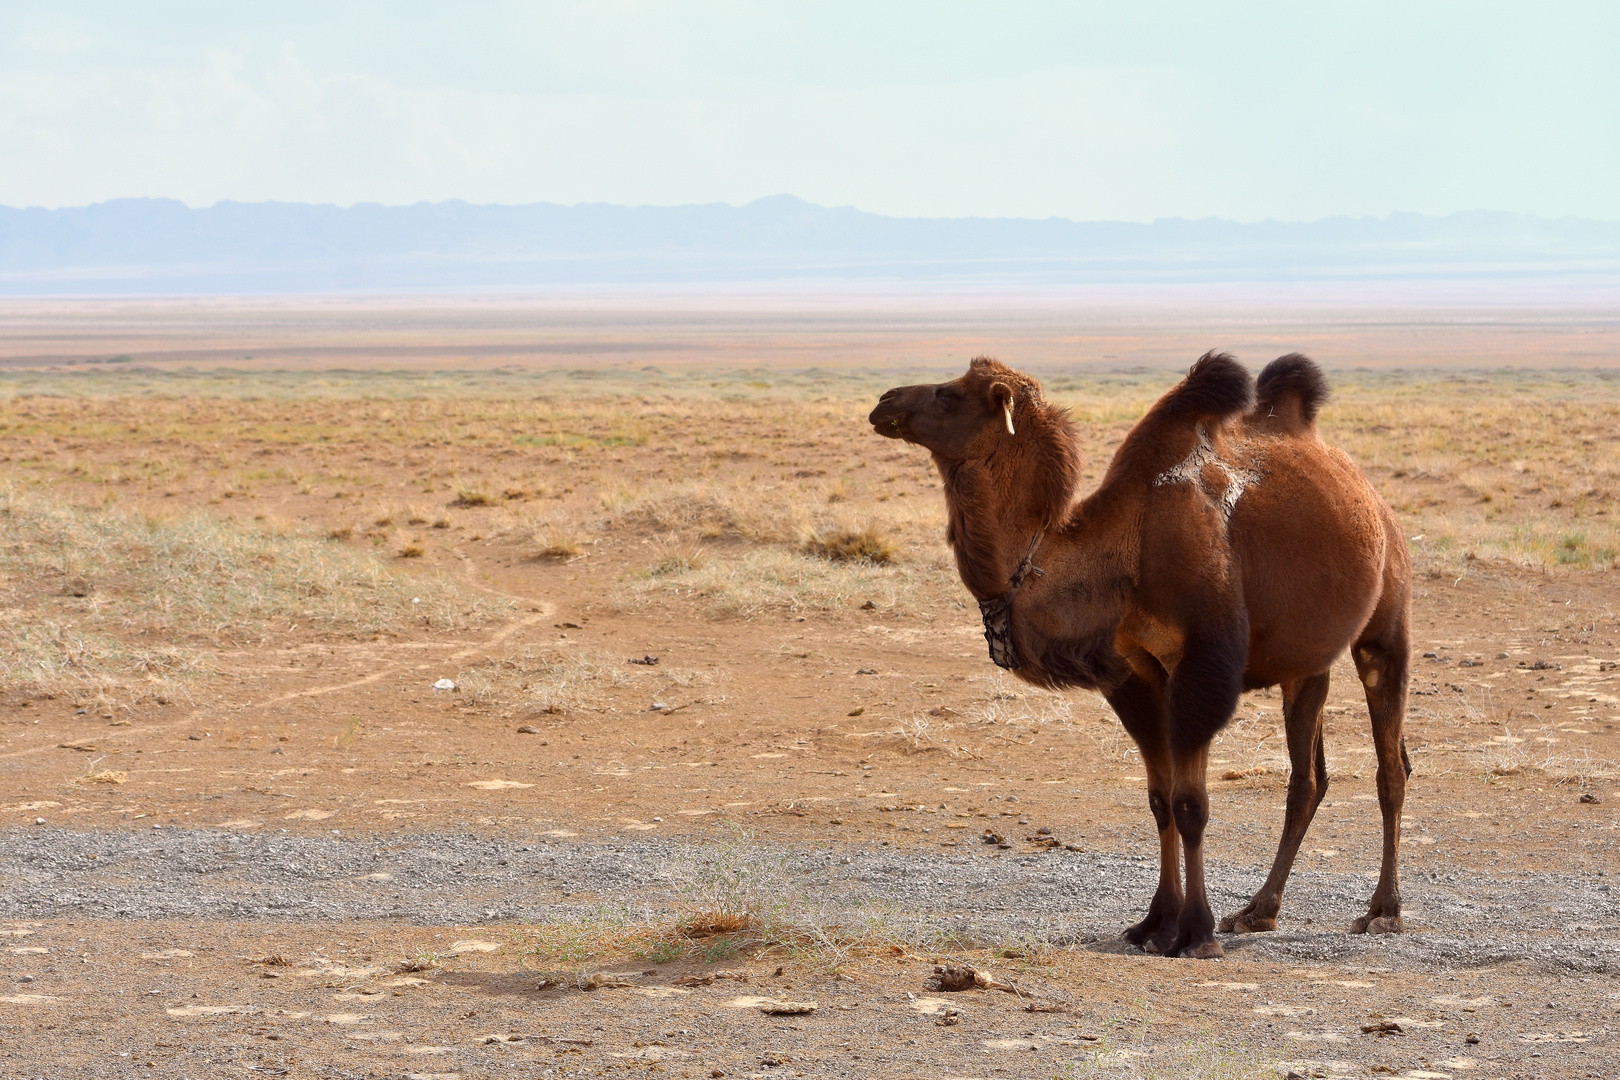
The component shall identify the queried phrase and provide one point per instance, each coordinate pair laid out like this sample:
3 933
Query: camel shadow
1118 946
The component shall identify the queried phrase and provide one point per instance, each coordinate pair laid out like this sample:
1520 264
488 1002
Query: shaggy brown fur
1226 548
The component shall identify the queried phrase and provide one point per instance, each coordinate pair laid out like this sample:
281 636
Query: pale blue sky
1110 110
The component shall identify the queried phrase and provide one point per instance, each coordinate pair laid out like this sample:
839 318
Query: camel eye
948 397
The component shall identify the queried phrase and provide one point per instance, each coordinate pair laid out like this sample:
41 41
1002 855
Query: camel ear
1004 393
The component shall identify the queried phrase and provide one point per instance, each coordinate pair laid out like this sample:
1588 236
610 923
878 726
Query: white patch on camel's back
1190 470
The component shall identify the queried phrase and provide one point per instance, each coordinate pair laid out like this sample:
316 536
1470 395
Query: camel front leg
1195 928
1200 697
1139 703
1307 784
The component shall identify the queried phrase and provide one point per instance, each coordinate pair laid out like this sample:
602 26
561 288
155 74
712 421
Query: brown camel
1227 548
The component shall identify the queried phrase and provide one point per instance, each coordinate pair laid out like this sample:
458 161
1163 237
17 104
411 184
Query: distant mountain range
159 246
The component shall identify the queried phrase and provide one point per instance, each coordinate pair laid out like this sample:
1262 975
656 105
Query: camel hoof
1380 924
1245 923
1204 950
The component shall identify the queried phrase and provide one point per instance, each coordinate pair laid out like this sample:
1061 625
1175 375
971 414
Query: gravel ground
1555 921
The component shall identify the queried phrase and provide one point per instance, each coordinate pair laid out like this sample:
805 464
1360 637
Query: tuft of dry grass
474 497
866 545
674 555
558 542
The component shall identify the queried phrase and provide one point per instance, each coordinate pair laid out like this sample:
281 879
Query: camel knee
1160 808
1305 790
1379 668
1192 814
1391 782
1319 790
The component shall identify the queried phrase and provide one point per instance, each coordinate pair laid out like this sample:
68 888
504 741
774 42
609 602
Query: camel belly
1311 545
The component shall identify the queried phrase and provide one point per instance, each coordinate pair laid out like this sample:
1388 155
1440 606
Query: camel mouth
887 422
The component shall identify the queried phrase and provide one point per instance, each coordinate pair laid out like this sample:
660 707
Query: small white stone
444 684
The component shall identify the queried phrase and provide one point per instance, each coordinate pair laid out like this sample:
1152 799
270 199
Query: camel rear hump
1288 394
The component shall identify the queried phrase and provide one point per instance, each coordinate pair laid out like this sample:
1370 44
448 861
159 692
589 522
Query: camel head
968 417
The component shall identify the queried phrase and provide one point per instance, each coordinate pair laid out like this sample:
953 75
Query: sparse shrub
557 542
412 550
672 555
731 888
865 545
474 497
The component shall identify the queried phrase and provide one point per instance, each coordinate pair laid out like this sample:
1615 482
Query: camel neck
990 525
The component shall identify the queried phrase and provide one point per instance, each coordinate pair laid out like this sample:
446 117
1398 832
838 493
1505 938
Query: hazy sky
1112 110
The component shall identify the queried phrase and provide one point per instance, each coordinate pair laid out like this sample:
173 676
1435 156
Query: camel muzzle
889 417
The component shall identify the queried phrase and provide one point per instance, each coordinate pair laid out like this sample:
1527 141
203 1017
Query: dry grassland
253 504
175 543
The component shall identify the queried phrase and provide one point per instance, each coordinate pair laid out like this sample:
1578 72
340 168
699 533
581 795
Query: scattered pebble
444 684
528 730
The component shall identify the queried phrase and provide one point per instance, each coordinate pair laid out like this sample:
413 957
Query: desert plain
470 687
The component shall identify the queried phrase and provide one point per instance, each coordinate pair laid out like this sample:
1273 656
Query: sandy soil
315 813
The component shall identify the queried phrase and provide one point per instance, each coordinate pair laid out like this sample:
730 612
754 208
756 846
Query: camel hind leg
1307 784
1382 662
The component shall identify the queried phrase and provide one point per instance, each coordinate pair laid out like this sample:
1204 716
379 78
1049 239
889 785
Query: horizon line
788 196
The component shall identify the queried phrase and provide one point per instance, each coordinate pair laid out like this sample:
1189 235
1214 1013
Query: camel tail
1216 385
1291 382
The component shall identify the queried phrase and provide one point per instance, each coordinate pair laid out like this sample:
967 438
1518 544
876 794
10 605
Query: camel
1227 548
